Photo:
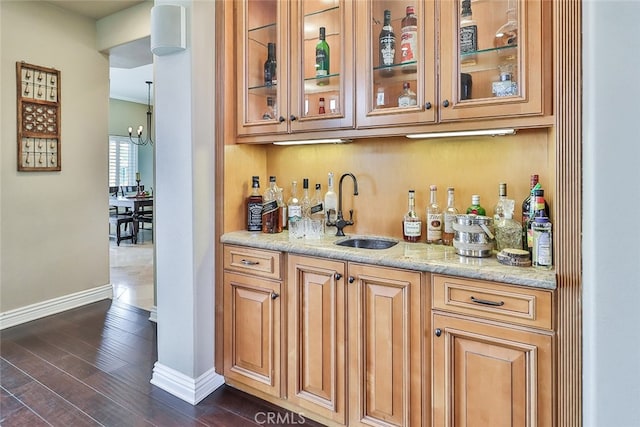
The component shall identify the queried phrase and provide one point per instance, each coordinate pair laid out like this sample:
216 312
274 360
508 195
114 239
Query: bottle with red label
409 41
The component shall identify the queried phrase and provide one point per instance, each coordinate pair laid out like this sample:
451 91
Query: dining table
135 203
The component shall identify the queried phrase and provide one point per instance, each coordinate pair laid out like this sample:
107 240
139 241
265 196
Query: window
123 161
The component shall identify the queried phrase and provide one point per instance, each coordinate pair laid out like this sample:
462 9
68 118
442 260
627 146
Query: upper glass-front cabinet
292 68
396 46
492 54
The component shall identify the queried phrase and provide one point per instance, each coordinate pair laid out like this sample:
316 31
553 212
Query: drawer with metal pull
492 300
257 262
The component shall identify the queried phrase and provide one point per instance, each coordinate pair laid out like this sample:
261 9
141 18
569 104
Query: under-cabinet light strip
313 141
483 132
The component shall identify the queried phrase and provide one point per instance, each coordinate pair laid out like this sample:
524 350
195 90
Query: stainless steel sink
367 243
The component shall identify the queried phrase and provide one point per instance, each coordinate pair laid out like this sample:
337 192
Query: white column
184 209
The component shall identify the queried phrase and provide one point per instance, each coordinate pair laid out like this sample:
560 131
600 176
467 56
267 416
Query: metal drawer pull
247 262
486 302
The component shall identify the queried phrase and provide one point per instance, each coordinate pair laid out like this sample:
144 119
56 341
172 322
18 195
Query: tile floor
131 270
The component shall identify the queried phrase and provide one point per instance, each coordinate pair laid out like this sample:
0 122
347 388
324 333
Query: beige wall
123 114
53 225
386 168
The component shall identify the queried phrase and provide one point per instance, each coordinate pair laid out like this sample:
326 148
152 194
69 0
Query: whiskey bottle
330 206
411 223
449 218
387 46
270 66
270 210
254 206
408 97
434 218
468 34
322 59
527 208
409 41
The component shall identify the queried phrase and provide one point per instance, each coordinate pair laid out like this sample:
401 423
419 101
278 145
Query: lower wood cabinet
488 373
316 335
252 325
385 342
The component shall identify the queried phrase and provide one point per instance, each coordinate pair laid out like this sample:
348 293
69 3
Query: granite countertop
410 256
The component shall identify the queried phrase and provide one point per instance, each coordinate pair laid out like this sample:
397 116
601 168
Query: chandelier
139 140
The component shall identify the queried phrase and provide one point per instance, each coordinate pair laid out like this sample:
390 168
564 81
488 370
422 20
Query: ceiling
131 64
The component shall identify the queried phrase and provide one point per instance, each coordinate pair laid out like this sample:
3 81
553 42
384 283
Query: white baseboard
153 314
56 305
191 390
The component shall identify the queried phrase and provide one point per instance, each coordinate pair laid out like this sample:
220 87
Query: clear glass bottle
270 77
408 97
322 59
387 46
305 201
411 223
449 218
409 41
315 226
294 212
254 206
475 208
507 34
434 217
331 206
270 211
498 210
508 231
468 35
270 112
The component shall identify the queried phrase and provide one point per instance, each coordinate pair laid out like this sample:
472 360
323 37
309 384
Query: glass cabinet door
396 62
492 53
321 65
262 77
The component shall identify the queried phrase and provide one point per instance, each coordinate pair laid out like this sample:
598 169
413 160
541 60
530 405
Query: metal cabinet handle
427 106
337 276
274 295
352 279
281 119
487 302
247 262
293 118
445 103
438 332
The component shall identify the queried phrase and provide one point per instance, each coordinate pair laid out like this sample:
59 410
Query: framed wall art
38 118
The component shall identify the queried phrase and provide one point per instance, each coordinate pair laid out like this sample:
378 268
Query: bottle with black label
271 217
254 206
387 46
468 35
270 66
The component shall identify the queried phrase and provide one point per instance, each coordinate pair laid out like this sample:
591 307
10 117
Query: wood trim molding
567 51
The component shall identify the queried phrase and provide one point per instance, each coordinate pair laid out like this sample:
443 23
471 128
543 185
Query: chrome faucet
341 223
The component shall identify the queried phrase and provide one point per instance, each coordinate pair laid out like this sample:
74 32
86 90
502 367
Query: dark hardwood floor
91 366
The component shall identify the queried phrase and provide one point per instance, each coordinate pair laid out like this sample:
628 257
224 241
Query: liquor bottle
498 210
321 106
387 46
331 206
475 208
270 66
538 210
305 201
282 207
270 212
508 231
409 41
449 218
294 212
526 209
411 223
254 206
315 230
322 59
507 34
270 112
468 34
408 97
434 218
542 247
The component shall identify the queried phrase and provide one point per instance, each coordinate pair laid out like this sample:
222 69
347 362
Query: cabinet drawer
491 300
257 262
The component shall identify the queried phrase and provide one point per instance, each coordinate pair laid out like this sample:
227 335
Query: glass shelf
264 90
397 69
318 12
333 84
489 59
